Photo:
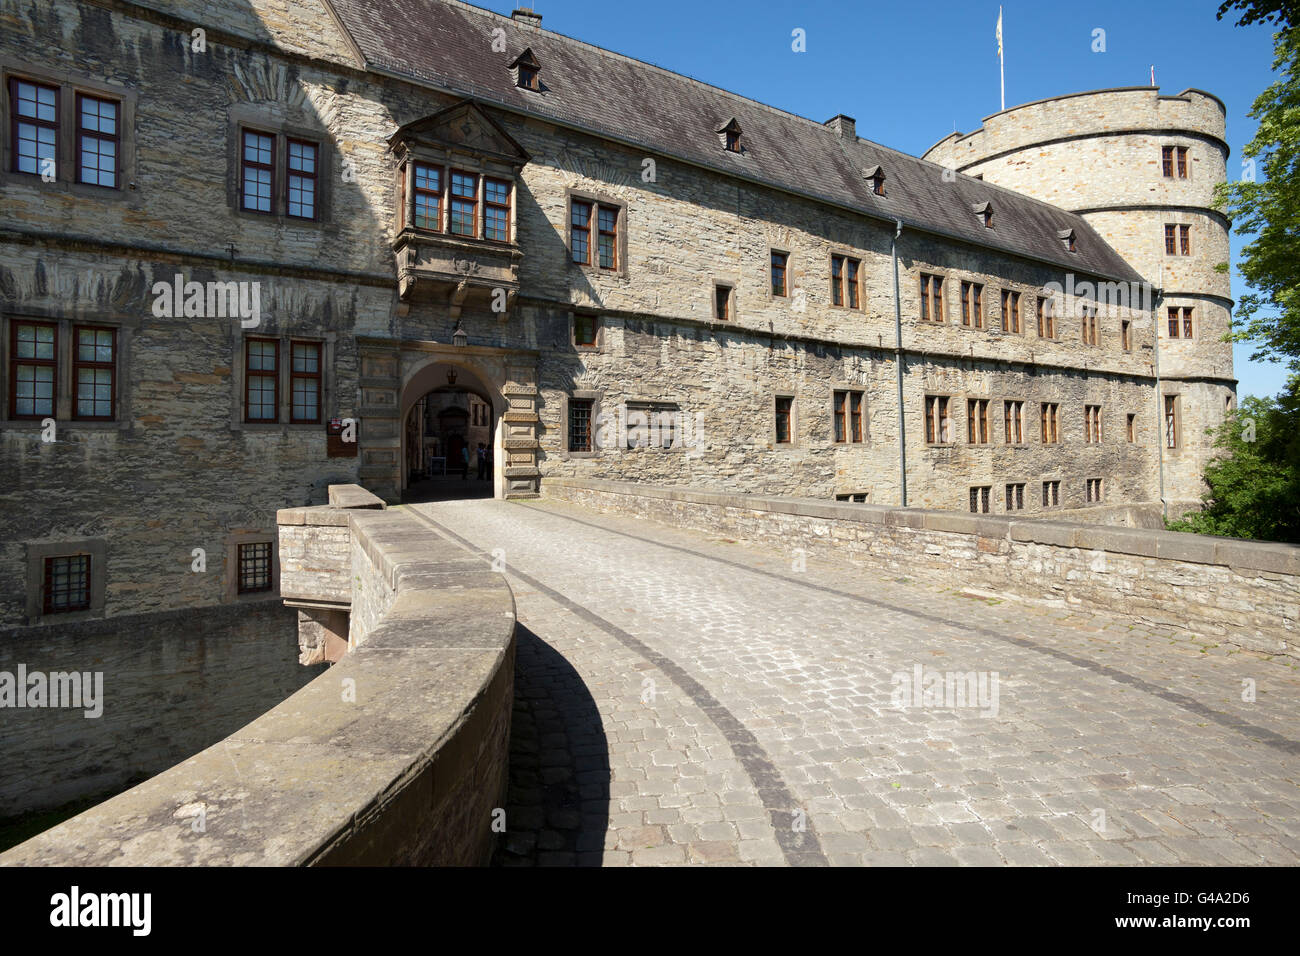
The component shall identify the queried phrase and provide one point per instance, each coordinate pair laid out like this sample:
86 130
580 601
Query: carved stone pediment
464 126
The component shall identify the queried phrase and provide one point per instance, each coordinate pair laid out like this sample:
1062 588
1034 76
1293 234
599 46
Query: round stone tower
1141 169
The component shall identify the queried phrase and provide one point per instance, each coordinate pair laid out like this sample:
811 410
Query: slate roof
448 44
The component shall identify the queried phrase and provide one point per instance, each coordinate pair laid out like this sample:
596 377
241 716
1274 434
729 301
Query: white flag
999 31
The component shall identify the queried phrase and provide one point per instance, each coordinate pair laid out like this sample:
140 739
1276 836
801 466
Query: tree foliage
1281 12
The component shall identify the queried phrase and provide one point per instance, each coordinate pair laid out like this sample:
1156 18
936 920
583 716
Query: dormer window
527 71
1067 238
730 133
875 175
985 211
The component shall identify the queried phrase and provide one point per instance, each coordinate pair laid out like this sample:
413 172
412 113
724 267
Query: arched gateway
395 376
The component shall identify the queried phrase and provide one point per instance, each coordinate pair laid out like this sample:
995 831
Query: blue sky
912 72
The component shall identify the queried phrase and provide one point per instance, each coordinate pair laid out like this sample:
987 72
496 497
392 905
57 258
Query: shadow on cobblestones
557 808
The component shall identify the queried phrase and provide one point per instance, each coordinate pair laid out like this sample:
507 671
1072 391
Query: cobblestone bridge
682 698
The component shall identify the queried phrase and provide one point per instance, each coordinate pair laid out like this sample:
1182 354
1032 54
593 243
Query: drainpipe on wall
898 365
1157 298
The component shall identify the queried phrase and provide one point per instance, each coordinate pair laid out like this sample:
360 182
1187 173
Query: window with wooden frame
66 585
99 140
1016 496
1167 161
496 209
607 237
977 421
784 420
972 305
1088 324
34 127
979 499
586 330
1050 418
1182 162
529 78
837 280
1173 161
256 567
1051 494
94 373
1010 311
305 382
463 208
580 231
1126 335
427 197
303 158
261 380
1044 312
938 424
1171 239
1092 491
847 408
1013 421
1178 240
851 286
779 262
1132 428
1180 322
257 172
1171 421
1184 240
931 298
580 421
722 302
1092 424
33 369
844 281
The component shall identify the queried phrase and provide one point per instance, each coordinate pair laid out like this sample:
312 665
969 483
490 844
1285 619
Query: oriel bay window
496 210
98 140
33 369
94 366
427 198
464 204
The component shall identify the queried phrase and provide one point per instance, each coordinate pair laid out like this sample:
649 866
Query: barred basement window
1092 423
1092 492
848 417
1010 311
255 567
977 421
34 131
1051 422
1051 494
1046 318
305 382
784 419
261 380
67 584
931 298
938 426
779 261
99 140
1013 414
1016 497
94 367
257 172
972 305
979 499
33 369
856 497
302 179
580 414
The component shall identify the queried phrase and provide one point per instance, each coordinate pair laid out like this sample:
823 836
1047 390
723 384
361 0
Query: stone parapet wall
394 756
1243 593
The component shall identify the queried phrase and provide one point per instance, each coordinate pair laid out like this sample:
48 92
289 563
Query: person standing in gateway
482 461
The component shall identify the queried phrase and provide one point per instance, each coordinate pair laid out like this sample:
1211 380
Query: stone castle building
242 241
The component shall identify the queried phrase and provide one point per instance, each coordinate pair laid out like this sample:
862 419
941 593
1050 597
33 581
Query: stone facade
385 305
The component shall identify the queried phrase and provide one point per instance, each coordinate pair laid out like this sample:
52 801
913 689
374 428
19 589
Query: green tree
1261 11
1254 478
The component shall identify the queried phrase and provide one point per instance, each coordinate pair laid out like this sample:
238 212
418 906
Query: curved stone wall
394 756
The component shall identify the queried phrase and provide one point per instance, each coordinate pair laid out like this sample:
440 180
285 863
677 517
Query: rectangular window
1016 497
255 567
1182 162
1171 240
464 204
1051 421
1187 323
784 410
1132 428
257 176
1010 311
302 178
496 210
262 380
580 424
1013 414
652 424
977 421
580 231
1088 324
1046 318
94 367
99 140
1126 335
779 260
1092 423
931 298
1092 493
1184 240
1171 421
585 330
851 283
607 224
33 369
848 417
67 584
938 426
34 127
979 499
427 213
1180 323
972 305
722 302
1051 494
305 381
1167 161
837 280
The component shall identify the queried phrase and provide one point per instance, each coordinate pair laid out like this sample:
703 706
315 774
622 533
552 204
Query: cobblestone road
682 698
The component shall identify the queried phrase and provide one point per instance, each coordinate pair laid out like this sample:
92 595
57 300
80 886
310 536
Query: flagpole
1002 67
